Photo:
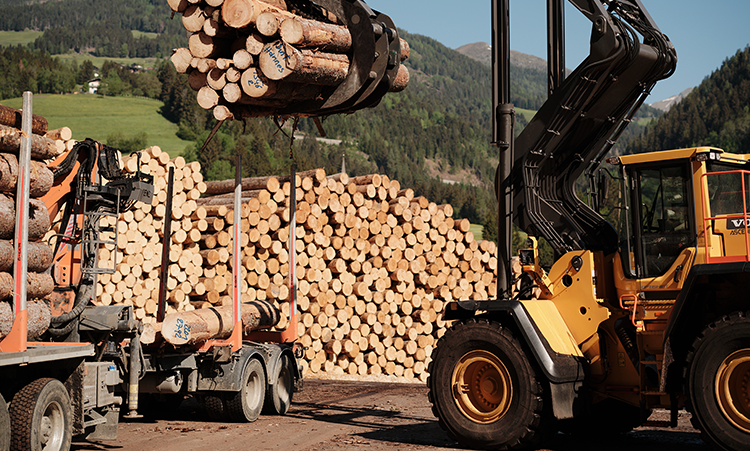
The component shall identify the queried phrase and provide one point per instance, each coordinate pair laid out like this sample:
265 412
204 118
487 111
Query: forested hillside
98 27
440 127
716 113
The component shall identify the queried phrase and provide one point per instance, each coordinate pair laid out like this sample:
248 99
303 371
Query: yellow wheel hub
482 387
732 386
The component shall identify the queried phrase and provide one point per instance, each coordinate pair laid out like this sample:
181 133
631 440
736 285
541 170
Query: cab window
663 207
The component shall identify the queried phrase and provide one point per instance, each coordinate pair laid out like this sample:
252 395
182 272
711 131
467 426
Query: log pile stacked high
375 264
39 283
250 58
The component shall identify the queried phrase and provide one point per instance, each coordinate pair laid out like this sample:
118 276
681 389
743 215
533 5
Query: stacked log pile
39 284
138 251
249 58
375 264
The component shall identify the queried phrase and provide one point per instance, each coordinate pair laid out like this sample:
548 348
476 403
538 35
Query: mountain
482 52
716 113
666 104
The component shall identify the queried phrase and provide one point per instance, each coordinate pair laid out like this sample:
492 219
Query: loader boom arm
582 118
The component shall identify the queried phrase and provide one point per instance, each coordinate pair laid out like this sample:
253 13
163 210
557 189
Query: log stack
137 255
375 263
250 58
39 283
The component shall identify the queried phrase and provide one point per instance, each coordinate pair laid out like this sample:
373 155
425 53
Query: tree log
223 113
311 33
200 325
255 84
207 98
193 18
202 45
178 6
41 148
270 183
38 314
231 92
39 256
181 59
11 117
216 79
38 285
242 59
282 61
401 81
267 24
40 181
197 80
254 44
39 220
63 133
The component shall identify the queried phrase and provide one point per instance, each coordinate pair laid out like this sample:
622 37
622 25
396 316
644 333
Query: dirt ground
350 415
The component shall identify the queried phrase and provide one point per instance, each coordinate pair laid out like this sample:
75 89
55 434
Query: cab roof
708 153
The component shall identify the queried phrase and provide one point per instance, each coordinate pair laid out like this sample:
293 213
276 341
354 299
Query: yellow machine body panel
551 324
573 280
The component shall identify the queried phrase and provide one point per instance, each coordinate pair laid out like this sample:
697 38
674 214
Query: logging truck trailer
89 363
646 304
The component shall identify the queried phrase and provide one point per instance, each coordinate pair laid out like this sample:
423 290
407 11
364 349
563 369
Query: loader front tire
718 382
484 389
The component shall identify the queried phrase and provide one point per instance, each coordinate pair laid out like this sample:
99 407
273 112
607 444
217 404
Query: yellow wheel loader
647 304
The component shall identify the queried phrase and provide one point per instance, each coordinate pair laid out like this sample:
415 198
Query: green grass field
91 116
12 38
528 114
98 61
9 38
476 229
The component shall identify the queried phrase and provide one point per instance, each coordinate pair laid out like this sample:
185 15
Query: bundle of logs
39 283
250 58
375 264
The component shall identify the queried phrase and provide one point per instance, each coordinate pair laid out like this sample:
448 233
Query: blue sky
704 33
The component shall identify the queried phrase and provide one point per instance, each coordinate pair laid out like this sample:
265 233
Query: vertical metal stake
165 249
20 266
293 250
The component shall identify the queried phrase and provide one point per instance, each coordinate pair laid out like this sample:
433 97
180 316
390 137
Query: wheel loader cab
679 208
657 227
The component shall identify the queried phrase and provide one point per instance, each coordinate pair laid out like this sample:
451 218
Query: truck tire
246 404
4 425
484 389
718 382
215 408
279 395
41 417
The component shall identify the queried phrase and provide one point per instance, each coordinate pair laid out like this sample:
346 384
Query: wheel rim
52 427
284 383
253 389
482 387
733 388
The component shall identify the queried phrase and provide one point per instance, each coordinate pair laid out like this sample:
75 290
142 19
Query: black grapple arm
581 120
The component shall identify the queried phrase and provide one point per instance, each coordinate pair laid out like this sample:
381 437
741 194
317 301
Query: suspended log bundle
251 58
